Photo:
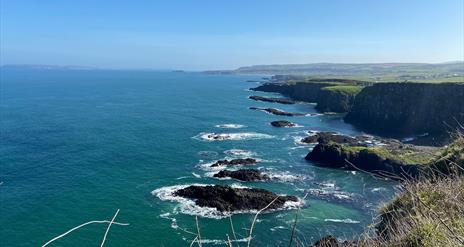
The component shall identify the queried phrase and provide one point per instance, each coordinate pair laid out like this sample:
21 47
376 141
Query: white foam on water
239 186
223 242
380 189
231 136
188 206
297 140
230 126
239 153
207 165
346 221
284 176
196 175
314 114
327 185
172 219
179 178
341 195
273 229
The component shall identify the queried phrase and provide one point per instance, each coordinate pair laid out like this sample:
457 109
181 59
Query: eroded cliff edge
409 108
391 109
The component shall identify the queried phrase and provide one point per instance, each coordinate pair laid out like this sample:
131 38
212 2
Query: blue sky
201 34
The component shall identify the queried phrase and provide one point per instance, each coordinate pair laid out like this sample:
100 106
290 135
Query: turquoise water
78 145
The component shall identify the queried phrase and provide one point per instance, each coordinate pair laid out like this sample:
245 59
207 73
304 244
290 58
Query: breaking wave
230 126
188 206
231 136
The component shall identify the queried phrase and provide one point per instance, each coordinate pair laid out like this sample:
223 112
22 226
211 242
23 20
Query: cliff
301 91
332 96
337 98
408 108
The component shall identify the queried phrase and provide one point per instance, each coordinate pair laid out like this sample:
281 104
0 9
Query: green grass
406 155
349 89
426 213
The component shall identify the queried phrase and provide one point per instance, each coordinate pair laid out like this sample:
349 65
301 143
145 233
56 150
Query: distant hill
451 71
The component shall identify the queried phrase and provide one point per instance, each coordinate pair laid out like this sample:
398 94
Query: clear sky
201 34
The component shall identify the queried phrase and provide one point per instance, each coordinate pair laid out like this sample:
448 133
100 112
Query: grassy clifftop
348 89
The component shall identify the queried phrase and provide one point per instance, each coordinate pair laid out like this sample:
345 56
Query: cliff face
334 101
408 108
307 92
327 100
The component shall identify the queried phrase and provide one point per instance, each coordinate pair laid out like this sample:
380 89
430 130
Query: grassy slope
429 211
407 155
348 89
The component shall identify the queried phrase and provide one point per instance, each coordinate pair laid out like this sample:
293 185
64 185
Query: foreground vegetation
428 211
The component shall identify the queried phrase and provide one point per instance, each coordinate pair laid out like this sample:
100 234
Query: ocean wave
239 153
231 136
326 184
223 242
277 228
331 194
284 176
188 206
380 189
230 126
347 221
206 166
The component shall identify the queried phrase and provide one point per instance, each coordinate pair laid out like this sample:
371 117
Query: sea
76 146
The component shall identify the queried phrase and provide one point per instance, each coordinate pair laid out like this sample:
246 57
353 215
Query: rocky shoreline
383 157
282 123
235 162
277 112
228 199
272 100
389 158
386 109
246 175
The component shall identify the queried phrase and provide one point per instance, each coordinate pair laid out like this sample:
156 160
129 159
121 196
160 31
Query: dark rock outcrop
335 155
243 175
228 199
277 112
307 92
330 241
339 101
322 137
272 100
235 162
408 108
282 123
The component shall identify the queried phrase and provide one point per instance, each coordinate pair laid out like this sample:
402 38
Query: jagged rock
277 112
243 175
329 136
272 100
331 241
235 162
282 123
228 199
374 160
